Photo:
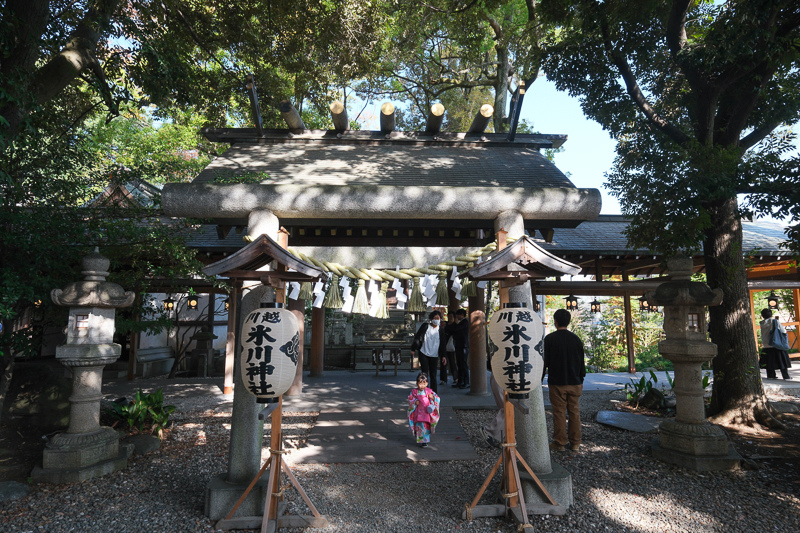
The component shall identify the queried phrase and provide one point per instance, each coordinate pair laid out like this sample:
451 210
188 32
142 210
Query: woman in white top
776 359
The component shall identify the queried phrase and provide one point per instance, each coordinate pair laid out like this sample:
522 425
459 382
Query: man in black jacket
459 331
563 356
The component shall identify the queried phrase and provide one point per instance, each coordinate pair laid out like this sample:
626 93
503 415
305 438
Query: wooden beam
435 117
254 107
339 116
291 116
629 329
482 119
387 117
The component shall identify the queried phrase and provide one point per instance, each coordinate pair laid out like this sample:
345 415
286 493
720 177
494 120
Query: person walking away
459 331
777 359
564 363
430 344
423 411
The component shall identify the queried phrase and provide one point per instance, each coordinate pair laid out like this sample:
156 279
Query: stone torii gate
381 199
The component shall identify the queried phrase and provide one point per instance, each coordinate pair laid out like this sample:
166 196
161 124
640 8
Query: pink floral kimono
423 413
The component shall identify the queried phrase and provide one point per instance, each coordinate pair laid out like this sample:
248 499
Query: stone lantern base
77 457
700 447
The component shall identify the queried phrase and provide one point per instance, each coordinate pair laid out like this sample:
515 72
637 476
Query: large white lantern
518 363
270 351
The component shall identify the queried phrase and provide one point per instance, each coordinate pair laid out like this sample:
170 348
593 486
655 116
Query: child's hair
421 376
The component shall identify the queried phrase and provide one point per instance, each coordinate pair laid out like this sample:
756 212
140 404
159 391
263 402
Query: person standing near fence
776 359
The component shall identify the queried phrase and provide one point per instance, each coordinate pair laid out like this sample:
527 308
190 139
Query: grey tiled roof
389 164
605 235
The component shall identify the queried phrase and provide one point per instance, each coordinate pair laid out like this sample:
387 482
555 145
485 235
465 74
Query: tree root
756 412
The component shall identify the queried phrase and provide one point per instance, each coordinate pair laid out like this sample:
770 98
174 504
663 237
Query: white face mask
435 321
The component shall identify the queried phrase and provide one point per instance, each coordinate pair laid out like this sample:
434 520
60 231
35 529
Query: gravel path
617 487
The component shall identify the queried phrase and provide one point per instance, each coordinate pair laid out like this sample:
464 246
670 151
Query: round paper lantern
517 364
270 351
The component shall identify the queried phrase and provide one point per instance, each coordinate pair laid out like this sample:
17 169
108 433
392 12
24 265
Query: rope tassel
415 301
469 289
305 291
333 300
442 298
383 308
361 303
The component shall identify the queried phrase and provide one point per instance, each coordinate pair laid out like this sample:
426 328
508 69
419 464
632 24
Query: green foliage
462 56
636 390
146 413
246 177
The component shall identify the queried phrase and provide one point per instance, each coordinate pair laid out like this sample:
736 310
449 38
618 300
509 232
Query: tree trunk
738 394
62 68
6 365
501 89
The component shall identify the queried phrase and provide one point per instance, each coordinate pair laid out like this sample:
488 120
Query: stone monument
87 450
689 440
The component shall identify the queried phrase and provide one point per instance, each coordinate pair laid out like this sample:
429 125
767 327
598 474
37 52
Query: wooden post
230 344
756 326
511 483
629 329
210 319
132 352
271 507
477 343
317 364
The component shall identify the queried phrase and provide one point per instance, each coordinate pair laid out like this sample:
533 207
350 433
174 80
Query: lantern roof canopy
245 264
524 252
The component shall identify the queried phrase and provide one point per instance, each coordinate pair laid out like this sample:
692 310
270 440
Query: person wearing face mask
431 343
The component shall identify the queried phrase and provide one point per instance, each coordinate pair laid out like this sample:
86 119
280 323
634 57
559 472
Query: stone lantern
87 450
689 440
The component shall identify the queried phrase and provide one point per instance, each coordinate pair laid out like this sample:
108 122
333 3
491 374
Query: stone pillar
531 427
477 344
247 435
689 440
298 308
247 431
317 361
87 450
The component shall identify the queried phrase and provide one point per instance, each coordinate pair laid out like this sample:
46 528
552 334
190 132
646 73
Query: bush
146 413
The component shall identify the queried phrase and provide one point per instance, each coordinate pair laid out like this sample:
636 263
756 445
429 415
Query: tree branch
633 89
676 26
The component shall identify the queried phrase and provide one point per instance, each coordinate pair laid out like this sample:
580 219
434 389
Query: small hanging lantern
536 305
191 302
270 350
169 304
518 363
227 303
595 306
572 302
644 307
772 300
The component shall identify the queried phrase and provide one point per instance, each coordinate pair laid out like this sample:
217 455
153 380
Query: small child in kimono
423 411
